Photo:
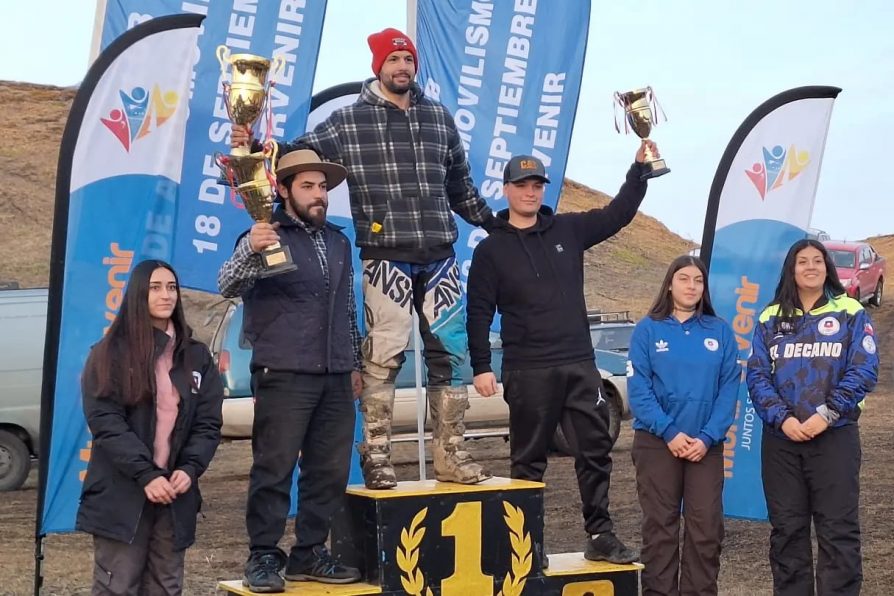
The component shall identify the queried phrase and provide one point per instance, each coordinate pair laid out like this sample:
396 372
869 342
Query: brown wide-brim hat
306 160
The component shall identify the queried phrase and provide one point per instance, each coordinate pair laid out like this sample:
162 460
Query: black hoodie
535 278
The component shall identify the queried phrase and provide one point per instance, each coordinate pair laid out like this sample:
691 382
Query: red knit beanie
386 42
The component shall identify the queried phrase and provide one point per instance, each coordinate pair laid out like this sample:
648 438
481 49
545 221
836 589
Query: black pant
663 484
310 415
571 395
818 480
148 566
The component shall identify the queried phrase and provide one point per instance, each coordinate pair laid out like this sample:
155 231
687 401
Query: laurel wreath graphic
413 580
520 541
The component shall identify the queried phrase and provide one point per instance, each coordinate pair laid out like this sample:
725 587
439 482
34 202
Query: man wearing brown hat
407 176
305 367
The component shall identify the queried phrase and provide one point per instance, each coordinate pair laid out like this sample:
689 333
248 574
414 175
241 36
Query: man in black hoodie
530 268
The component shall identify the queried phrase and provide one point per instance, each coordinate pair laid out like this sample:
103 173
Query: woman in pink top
152 398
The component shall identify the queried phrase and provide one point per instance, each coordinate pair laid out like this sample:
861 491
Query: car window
843 258
613 339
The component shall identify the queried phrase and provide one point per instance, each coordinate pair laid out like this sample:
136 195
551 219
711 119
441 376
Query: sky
711 64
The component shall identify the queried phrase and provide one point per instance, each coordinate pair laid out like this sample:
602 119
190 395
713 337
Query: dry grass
33 117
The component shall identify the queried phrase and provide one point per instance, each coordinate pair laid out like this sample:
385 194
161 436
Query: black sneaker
262 572
323 569
607 547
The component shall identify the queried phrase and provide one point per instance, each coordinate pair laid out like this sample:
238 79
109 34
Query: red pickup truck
861 270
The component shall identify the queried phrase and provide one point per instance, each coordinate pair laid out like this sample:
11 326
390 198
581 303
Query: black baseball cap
524 166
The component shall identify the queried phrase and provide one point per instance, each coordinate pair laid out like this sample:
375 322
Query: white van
23 321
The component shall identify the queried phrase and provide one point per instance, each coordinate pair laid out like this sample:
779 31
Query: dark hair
287 182
122 365
787 290
663 307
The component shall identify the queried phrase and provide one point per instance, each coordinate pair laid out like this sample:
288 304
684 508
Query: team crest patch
828 326
711 344
869 344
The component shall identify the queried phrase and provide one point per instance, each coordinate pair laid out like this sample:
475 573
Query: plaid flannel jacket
407 170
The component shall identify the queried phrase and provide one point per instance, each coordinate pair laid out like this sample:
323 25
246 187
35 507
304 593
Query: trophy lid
250 58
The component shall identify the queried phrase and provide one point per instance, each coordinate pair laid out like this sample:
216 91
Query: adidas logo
661 346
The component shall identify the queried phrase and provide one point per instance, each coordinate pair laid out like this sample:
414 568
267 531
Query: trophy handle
271 151
276 69
223 162
223 56
226 98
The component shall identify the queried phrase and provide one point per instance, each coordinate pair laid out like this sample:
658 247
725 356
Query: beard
314 215
397 88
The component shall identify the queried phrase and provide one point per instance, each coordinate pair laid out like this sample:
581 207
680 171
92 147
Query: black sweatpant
664 483
571 395
298 413
816 480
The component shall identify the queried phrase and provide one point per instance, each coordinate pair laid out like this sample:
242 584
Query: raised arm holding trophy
252 175
640 106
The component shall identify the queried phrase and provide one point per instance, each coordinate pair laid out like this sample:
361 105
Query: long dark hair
787 290
663 307
122 365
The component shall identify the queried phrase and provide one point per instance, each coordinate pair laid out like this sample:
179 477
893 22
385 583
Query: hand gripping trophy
252 174
640 107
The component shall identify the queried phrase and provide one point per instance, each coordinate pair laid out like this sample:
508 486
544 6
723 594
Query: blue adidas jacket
826 357
684 377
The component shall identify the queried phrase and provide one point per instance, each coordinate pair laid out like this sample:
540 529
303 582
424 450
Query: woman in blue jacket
684 379
813 362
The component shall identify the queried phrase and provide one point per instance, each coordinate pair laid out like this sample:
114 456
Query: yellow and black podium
428 538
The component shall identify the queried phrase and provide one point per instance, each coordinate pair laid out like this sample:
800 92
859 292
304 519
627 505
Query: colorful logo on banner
139 112
207 222
778 167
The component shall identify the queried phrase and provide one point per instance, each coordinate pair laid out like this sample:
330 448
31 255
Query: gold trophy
252 175
640 107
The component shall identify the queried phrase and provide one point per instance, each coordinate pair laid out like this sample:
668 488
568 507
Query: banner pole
420 396
411 21
98 21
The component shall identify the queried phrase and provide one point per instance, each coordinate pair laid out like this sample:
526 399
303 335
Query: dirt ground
221 545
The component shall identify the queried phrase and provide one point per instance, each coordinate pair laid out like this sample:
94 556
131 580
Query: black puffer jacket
121 465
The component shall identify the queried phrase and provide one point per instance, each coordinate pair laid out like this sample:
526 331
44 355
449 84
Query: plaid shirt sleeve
323 139
461 191
238 273
352 318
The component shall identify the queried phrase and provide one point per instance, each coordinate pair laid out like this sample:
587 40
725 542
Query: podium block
305 589
430 537
570 574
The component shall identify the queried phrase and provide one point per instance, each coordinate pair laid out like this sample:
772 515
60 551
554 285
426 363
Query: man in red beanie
407 175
